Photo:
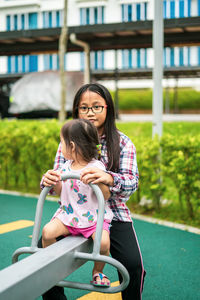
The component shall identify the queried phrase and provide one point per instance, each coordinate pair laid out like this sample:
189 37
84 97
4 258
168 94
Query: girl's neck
78 164
100 130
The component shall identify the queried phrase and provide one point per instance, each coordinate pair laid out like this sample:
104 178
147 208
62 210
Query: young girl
77 213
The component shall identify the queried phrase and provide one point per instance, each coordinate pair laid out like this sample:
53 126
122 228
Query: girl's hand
51 177
95 175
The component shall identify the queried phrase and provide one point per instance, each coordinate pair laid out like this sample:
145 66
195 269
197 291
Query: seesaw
35 274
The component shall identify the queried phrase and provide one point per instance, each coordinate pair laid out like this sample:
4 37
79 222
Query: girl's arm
51 176
125 181
57 188
59 159
105 190
122 183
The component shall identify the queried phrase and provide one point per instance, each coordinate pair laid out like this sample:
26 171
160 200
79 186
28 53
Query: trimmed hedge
28 148
171 162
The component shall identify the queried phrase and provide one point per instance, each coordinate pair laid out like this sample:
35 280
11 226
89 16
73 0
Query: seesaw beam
32 276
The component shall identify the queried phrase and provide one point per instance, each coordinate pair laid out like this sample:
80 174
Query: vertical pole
167 98
176 97
158 68
87 77
116 98
62 50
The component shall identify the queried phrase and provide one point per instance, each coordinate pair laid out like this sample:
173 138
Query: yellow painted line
102 296
4 228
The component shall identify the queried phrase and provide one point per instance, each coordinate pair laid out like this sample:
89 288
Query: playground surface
171 256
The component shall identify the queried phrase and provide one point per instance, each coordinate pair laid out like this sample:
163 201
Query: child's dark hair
85 137
110 130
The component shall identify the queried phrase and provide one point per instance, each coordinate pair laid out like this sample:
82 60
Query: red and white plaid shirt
125 181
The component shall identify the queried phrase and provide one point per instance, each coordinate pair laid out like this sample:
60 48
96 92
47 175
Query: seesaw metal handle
100 258
100 217
94 256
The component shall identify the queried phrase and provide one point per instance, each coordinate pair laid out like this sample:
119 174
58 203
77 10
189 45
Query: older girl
93 102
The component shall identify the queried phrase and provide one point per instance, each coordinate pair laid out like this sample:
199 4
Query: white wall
3 64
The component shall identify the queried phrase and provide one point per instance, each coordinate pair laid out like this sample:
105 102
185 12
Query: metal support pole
158 68
167 98
176 97
116 97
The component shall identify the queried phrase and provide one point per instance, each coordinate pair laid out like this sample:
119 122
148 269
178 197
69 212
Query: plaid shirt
125 182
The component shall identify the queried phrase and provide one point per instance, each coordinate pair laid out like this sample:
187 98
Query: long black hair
110 130
85 137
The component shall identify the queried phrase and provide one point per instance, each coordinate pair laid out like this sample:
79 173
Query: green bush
149 164
168 167
181 163
27 150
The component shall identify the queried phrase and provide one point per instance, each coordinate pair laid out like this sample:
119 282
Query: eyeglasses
96 109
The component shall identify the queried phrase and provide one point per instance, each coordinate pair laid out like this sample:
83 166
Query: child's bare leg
52 230
104 250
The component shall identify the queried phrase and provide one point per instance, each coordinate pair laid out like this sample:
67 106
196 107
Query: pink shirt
125 179
79 204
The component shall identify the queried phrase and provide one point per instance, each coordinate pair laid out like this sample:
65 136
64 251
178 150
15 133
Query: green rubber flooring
171 257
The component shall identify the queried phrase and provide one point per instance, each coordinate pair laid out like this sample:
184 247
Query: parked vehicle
37 95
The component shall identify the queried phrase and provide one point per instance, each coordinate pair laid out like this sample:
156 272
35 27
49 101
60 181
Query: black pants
124 248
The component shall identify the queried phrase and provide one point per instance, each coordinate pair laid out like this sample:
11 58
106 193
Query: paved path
166 118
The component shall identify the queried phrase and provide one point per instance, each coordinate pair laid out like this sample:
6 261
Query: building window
92 15
198 7
58 23
89 16
22 63
51 62
134 12
9 64
172 9
172 57
181 8
52 19
15 22
176 9
22 21
8 27
96 60
134 58
33 63
32 20
177 56
16 64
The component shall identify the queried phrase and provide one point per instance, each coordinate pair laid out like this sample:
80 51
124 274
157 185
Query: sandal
100 282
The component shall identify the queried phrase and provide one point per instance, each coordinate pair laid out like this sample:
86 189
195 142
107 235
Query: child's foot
100 279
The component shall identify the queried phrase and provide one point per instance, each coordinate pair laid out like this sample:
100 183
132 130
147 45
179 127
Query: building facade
33 14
